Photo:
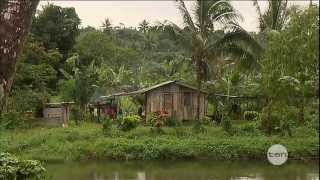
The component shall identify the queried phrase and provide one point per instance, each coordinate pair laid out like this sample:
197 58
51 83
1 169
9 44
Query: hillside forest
64 61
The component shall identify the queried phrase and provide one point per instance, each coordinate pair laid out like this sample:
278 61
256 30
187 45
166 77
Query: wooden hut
178 99
57 113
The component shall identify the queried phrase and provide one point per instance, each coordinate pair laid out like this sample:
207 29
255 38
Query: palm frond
225 17
275 16
202 17
274 7
239 45
222 12
186 15
284 14
244 57
256 4
239 35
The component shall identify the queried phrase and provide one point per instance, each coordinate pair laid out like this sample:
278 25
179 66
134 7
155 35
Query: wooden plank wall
155 102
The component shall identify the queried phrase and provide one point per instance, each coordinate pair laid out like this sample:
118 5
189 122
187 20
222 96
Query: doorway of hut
168 103
187 105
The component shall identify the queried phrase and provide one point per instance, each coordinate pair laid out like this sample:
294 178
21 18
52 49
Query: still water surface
183 170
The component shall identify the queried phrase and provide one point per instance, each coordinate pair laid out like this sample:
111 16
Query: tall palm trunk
269 123
301 110
302 103
199 38
198 100
15 21
199 81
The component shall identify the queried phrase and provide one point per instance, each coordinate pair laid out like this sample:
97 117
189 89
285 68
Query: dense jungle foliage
274 70
62 61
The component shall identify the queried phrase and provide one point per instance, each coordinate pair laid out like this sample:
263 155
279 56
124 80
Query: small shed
105 106
177 98
57 113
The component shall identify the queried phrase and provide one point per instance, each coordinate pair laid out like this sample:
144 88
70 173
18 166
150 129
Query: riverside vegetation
12 168
278 64
89 141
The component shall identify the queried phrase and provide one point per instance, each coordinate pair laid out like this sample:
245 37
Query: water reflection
182 170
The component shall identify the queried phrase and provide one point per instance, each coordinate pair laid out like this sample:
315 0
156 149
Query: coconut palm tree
107 26
211 32
144 26
275 17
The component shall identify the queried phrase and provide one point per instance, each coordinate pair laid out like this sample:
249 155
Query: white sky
131 13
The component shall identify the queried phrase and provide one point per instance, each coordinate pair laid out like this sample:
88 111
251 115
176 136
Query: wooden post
98 112
145 107
66 114
63 108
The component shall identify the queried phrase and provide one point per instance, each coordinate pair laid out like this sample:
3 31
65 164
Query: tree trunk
269 118
15 21
199 81
198 99
3 99
302 102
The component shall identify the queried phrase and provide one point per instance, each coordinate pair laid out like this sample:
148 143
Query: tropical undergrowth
12 168
88 141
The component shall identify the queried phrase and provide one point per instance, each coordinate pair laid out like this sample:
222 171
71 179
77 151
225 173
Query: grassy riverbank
89 142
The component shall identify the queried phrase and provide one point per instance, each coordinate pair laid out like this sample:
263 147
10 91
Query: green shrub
14 168
23 100
198 128
250 115
151 117
31 169
180 131
129 122
155 130
248 129
128 105
227 126
11 120
206 120
305 132
75 114
172 122
106 126
312 121
282 118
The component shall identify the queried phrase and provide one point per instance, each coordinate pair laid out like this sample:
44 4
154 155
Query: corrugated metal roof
58 104
190 87
144 90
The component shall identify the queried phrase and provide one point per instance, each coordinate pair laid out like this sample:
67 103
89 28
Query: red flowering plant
157 119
